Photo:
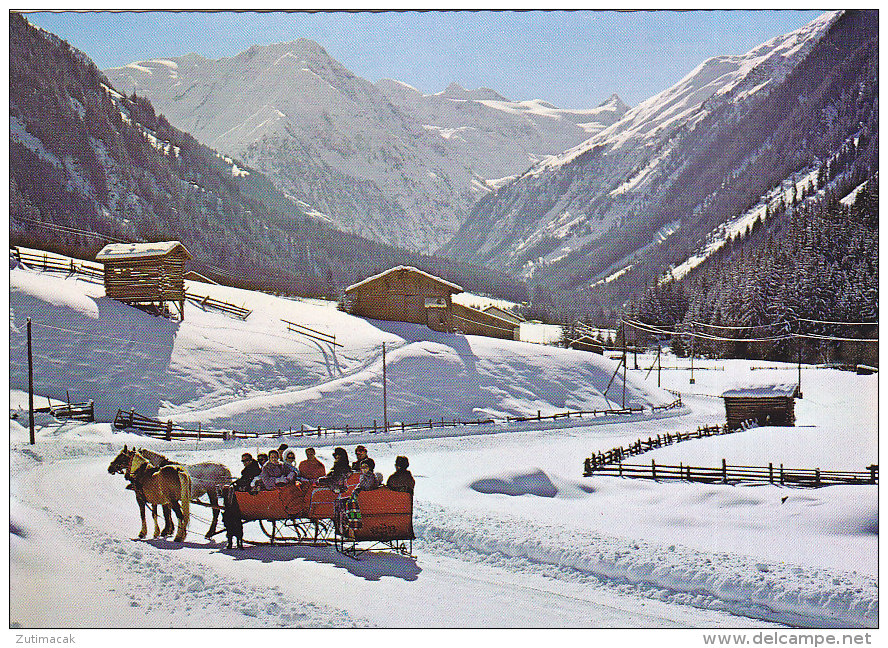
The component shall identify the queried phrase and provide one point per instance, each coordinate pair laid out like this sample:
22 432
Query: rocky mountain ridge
380 160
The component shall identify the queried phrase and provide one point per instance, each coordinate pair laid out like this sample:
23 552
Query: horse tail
185 495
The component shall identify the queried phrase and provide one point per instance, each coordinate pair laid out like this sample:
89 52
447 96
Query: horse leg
144 530
154 516
214 502
177 509
168 526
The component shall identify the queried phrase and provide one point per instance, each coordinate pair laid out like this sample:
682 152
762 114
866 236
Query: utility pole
624 364
635 346
799 357
693 339
659 362
30 385
384 393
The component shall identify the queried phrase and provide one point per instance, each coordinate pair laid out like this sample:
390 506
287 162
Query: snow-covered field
509 532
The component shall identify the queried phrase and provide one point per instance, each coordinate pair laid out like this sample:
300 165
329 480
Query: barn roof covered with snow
115 251
446 284
784 390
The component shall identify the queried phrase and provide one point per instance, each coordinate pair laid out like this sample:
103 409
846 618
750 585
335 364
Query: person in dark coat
339 472
249 472
401 479
361 454
369 480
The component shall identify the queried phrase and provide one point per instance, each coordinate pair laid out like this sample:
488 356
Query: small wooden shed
146 275
502 313
586 343
404 294
766 405
474 322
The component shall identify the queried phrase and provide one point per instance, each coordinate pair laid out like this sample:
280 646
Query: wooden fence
813 478
52 263
616 455
76 411
168 430
225 307
307 331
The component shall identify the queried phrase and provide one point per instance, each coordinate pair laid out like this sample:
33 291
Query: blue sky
572 59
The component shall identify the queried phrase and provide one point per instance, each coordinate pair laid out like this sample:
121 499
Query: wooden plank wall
770 410
397 297
146 279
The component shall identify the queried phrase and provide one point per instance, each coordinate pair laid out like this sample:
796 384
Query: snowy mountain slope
351 150
493 136
89 165
608 188
323 135
254 375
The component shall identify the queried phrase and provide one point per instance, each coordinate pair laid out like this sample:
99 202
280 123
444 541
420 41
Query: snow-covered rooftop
114 251
784 389
438 280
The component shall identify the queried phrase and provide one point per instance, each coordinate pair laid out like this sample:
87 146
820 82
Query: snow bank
532 483
777 592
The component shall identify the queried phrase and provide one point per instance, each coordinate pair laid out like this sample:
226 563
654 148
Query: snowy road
200 584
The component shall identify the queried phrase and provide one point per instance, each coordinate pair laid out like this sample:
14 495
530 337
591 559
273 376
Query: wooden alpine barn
146 275
770 405
406 294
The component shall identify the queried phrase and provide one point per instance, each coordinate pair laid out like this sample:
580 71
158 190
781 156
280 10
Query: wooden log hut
767 405
146 275
406 294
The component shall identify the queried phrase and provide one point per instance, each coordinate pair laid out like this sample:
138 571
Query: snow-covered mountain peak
456 91
614 103
728 77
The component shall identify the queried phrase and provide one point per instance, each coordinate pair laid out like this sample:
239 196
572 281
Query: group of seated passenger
269 471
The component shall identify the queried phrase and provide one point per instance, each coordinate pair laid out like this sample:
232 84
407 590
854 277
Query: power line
833 338
737 328
67 229
802 319
99 335
649 328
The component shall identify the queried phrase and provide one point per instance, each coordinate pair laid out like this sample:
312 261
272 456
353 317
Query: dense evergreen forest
805 267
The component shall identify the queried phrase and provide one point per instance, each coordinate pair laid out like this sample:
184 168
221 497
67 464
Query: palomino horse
165 486
206 478
120 464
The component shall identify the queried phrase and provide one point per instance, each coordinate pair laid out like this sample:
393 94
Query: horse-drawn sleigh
300 513
307 513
